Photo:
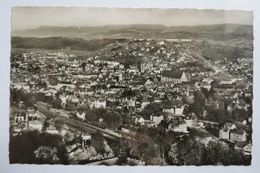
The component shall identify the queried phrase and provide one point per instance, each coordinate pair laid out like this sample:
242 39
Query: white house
140 121
156 119
52 129
35 125
100 103
224 132
81 115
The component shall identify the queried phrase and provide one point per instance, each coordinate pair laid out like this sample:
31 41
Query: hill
60 43
220 31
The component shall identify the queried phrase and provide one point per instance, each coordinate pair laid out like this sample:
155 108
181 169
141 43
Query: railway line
76 124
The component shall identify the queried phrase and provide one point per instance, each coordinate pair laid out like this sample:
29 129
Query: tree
122 150
113 119
22 146
154 108
42 84
45 154
83 65
195 155
57 103
98 142
70 106
59 123
218 115
199 103
53 81
219 153
190 152
173 155
128 93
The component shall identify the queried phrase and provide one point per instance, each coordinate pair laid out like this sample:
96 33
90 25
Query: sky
32 17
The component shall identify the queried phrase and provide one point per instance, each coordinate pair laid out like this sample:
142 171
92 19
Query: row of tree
156 147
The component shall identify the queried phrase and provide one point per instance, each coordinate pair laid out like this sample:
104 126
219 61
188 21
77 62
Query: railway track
76 124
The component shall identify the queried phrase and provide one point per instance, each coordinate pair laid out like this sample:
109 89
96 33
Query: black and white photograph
131 86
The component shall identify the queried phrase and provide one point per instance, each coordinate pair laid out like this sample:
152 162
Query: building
20 117
206 83
146 67
237 135
140 121
174 110
133 70
100 103
156 119
174 76
52 129
239 146
81 115
85 140
144 103
247 149
224 132
35 125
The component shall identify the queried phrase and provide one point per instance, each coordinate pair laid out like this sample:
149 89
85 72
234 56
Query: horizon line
67 26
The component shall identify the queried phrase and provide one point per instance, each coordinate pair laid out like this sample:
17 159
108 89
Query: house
81 115
156 119
140 120
244 147
174 110
85 140
239 146
30 109
237 135
74 99
224 133
193 122
20 117
177 124
180 128
149 84
17 129
112 64
150 123
100 103
157 100
174 76
247 149
146 67
100 120
130 102
32 115
35 125
179 110
133 70
52 129
144 103
206 84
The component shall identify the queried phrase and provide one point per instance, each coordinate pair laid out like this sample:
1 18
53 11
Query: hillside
220 31
60 43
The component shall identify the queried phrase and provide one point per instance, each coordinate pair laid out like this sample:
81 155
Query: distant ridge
140 31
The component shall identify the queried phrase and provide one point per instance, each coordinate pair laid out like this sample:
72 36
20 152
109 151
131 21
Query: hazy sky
32 17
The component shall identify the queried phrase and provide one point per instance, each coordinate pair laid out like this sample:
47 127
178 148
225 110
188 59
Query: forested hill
60 43
219 31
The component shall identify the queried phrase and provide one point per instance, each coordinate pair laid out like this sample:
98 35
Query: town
133 102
